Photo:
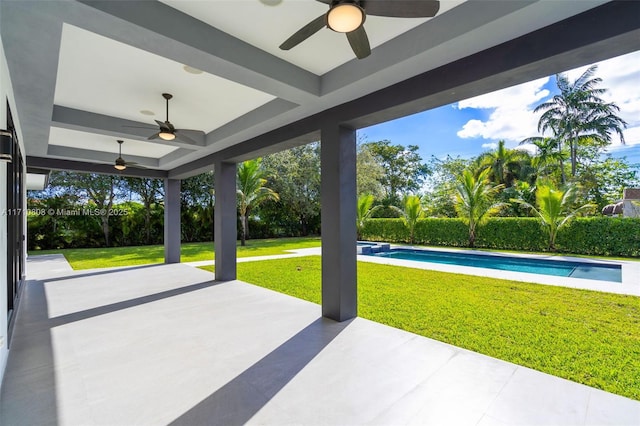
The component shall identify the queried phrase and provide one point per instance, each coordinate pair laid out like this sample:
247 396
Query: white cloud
631 138
490 145
528 147
512 118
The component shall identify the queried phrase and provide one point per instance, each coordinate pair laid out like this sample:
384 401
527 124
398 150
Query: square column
225 221
339 238
172 231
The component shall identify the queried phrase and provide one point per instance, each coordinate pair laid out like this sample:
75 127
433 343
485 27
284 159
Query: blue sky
472 126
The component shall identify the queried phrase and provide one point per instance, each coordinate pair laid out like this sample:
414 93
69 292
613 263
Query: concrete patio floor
164 344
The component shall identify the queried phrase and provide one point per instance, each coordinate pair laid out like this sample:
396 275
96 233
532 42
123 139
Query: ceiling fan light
345 17
167 136
119 167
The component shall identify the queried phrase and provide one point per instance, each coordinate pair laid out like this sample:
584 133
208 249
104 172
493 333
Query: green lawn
191 252
585 336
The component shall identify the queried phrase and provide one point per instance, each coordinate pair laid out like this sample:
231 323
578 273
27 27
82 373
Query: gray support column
339 282
225 221
172 221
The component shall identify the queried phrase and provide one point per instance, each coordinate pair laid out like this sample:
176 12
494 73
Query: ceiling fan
348 16
166 130
120 164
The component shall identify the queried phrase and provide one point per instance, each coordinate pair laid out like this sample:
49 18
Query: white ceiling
266 27
104 76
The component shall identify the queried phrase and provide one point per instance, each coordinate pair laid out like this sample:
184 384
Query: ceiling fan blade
401 8
185 138
162 124
325 1
140 127
154 136
305 32
134 165
359 42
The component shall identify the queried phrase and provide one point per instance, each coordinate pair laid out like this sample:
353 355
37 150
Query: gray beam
338 192
185 39
84 167
97 156
172 221
252 118
31 42
174 157
225 221
74 119
278 143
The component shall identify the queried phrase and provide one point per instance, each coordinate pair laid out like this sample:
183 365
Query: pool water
561 268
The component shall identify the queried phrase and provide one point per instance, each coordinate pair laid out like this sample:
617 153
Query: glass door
15 221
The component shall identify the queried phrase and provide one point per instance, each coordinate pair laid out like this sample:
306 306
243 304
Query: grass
584 336
190 252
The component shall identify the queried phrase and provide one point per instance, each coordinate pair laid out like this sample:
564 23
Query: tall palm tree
411 211
578 112
251 192
474 199
506 165
553 209
364 211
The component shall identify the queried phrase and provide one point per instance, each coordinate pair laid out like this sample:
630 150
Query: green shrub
442 232
601 236
392 230
513 233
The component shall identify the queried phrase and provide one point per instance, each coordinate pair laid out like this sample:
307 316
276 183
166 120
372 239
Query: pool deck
165 344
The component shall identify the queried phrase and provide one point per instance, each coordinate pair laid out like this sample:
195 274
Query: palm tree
549 152
411 211
364 211
578 112
506 164
474 199
251 192
554 208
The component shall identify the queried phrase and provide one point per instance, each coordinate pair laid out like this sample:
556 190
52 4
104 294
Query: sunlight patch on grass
585 336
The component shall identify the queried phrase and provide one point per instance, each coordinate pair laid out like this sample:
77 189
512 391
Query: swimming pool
562 268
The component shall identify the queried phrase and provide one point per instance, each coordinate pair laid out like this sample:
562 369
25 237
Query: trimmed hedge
438 232
602 236
391 230
608 236
513 233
